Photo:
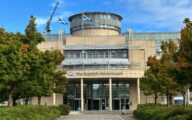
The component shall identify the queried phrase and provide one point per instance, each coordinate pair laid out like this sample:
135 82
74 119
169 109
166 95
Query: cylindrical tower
95 24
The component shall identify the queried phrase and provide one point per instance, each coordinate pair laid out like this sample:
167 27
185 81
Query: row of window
98 16
156 36
74 67
89 25
91 54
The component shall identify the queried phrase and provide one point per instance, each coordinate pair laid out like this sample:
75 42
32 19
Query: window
113 54
106 55
77 54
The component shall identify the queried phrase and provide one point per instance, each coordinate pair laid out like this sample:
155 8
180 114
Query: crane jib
47 28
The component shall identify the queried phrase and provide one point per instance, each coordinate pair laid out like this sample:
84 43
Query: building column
110 94
138 91
188 96
54 98
82 100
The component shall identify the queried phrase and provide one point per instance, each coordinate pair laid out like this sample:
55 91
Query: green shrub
64 109
150 112
179 117
29 113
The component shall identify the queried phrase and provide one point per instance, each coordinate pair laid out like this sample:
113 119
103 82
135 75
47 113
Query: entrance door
116 104
89 104
103 104
76 105
124 103
95 104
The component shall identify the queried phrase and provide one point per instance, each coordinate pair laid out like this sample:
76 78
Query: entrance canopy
120 73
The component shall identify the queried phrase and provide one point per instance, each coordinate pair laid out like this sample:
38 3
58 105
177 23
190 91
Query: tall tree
183 73
32 36
42 64
151 83
25 71
11 67
168 62
60 82
157 79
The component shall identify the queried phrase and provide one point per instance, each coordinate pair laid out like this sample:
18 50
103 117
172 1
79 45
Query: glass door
116 104
124 104
103 104
77 105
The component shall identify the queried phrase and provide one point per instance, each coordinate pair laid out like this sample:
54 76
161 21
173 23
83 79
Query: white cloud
66 14
149 15
158 13
41 21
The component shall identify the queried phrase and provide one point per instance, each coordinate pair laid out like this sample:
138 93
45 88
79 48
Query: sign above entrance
105 74
72 73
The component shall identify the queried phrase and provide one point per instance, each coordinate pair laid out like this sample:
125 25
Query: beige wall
95 32
99 40
133 94
50 45
45 100
59 99
139 51
49 100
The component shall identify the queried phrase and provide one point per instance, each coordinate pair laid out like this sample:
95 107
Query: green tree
32 36
168 62
26 71
60 82
11 68
48 66
151 83
40 78
184 61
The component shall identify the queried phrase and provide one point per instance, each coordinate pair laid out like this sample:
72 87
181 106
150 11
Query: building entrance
76 104
96 104
116 104
96 96
124 103
120 104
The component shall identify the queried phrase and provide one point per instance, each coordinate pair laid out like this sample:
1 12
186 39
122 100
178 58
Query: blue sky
138 15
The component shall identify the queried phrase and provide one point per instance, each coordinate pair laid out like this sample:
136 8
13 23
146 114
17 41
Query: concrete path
97 116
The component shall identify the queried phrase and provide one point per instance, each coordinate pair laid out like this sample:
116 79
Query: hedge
64 109
33 112
150 112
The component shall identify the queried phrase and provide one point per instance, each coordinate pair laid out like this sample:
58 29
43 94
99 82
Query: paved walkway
97 116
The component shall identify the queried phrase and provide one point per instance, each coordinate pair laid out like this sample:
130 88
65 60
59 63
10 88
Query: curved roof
70 18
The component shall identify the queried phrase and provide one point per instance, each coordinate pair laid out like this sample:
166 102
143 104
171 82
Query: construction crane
48 28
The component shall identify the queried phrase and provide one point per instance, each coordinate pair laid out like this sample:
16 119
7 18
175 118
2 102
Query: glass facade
96 54
96 95
158 37
96 59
